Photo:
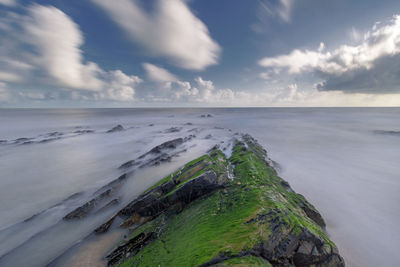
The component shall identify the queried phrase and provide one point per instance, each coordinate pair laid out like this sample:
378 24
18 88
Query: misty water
344 160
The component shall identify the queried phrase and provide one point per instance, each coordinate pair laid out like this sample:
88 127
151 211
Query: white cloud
9 77
8 2
282 9
4 93
158 74
57 59
285 9
57 40
32 95
374 57
170 31
354 34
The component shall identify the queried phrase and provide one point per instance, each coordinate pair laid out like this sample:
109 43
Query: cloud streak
171 31
54 56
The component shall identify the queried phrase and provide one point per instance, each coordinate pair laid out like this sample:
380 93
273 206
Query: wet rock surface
284 230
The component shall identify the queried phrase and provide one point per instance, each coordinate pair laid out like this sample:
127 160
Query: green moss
230 220
248 261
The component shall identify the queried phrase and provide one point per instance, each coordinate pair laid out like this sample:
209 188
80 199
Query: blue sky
136 53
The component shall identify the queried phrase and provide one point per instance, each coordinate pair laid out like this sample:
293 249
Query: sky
199 53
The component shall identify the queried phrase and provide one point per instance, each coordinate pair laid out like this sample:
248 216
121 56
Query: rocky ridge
216 211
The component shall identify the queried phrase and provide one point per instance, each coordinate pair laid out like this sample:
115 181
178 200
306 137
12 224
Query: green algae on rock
217 211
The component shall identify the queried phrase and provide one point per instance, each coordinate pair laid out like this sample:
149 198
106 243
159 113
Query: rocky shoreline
219 211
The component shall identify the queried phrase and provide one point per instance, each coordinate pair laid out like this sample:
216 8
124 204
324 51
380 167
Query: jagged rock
84 210
105 226
84 131
172 144
131 246
173 130
117 128
257 207
113 202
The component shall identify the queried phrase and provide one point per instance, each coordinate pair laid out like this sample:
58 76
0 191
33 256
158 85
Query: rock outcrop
216 211
117 128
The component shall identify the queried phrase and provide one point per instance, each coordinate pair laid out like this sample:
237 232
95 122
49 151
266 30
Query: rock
84 131
105 226
22 140
130 247
113 202
208 136
172 144
117 128
173 130
206 116
86 208
256 215
195 188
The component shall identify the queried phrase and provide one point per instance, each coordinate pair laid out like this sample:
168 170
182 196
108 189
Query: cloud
4 93
285 9
158 74
8 2
281 9
57 40
370 67
43 48
171 31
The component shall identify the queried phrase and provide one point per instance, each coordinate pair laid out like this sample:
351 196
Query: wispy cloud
372 66
282 9
171 31
54 56
158 74
8 2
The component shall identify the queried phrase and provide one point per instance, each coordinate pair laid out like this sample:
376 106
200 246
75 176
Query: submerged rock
206 116
173 130
202 216
117 128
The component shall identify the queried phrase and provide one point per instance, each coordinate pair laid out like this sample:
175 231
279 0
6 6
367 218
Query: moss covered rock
217 211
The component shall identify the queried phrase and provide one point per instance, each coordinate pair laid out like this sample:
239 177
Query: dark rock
114 184
105 226
22 140
128 164
188 138
49 140
130 248
86 208
387 132
313 214
117 128
209 136
172 144
55 134
113 202
195 188
206 116
173 130
84 131
150 205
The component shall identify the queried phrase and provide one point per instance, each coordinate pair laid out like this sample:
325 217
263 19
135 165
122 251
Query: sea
345 161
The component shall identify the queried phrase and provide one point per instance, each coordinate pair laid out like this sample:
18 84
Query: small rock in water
206 116
117 128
